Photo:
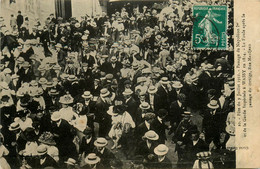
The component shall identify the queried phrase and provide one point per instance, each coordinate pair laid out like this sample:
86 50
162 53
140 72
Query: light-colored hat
53 92
77 25
42 149
7 71
141 79
177 84
127 92
186 113
15 76
104 92
84 37
14 126
164 80
72 78
231 84
56 116
56 67
43 81
113 58
152 89
144 106
66 99
161 149
151 135
87 95
47 138
213 104
26 64
71 161
33 83
203 155
100 142
58 45
92 158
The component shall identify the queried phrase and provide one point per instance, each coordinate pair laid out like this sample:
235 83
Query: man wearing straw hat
161 161
93 161
44 159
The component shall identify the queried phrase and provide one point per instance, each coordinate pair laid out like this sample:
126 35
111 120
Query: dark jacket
159 128
106 157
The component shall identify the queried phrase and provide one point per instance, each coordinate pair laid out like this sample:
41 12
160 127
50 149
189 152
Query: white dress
118 123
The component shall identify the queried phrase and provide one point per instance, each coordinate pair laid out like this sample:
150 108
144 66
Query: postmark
210 27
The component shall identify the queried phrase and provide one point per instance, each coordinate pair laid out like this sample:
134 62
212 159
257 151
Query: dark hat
87 131
47 138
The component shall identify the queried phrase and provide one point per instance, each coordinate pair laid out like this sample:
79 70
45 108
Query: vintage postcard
129 84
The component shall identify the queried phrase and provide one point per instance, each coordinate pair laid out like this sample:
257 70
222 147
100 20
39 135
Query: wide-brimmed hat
231 84
135 65
127 92
71 161
152 89
213 104
104 92
56 116
43 81
53 92
42 149
26 64
56 67
161 149
58 45
87 95
151 135
72 78
144 106
14 126
186 113
92 158
141 79
177 84
77 25
84 37
66 99
100 142
164 80
203 155
47 138
113 58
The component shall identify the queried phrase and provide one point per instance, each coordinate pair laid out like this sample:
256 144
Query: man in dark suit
161 161
194 146
87 143
25 73
177 108
114 67
87 58
147 145
44 159
130 103
104 119
159 126
101 151
162 99
145 126
61 56
64 136
19 20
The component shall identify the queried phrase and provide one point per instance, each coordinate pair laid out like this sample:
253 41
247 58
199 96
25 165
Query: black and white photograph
136 84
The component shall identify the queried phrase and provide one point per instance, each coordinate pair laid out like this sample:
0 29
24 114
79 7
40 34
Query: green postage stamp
210 27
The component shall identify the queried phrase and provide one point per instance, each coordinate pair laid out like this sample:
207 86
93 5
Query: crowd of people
69 88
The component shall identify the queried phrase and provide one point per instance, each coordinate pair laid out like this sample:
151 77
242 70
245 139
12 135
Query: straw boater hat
66 99
141 79
77 25
56 116
72 78
71 161
161 150
164 80
152 89
14 126
100 142
177 84
53 92
127 92
87 95
203 155
104 92
231 84
92 158
113 58
58 45
151 135
42 149
213 104
43 81
144 106
26 64
47 138
186 113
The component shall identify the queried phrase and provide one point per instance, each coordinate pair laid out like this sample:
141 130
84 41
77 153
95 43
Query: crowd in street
68 88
